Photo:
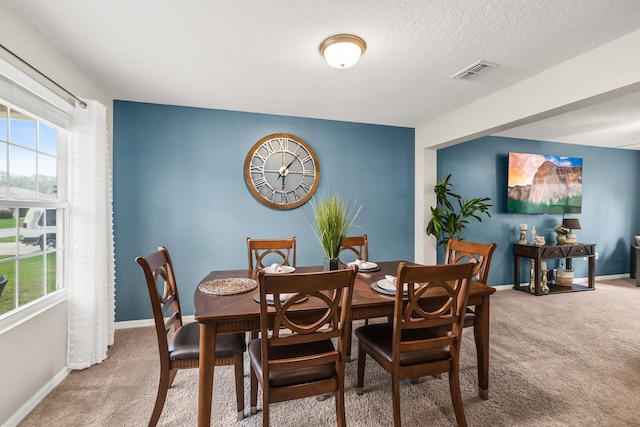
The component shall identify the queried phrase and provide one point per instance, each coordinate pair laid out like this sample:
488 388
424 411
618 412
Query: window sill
12 319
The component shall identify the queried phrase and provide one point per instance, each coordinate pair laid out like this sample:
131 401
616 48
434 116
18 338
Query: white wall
33 355
603 73
34 351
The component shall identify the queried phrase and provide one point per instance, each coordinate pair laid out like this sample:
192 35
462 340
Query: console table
540 253
635 264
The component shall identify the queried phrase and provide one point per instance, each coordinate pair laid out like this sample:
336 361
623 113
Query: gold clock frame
248 174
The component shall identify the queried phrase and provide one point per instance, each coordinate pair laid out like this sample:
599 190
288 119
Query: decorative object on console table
523 234
563 277
538 241
561 233
544 288
571 224
332 218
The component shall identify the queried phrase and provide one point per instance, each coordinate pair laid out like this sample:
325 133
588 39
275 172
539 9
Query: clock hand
294 159
283 173
285 170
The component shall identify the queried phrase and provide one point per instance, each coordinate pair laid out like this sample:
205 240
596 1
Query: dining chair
262 251
178 343
409 347
459 251
358 245
296 357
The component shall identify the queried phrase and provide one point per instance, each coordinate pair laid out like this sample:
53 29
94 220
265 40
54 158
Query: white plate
283 298
388 286
363 265
284 269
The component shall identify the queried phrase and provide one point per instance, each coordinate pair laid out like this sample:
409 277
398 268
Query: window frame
22 312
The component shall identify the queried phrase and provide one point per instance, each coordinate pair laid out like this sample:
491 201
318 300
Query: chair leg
361 362
456 397
172 376
166 379
340 407
238 367
395 394
253 393
265 407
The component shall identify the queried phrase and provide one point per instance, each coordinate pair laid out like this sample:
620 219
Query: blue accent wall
610 201
179 182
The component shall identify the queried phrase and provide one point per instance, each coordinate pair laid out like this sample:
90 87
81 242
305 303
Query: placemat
230 286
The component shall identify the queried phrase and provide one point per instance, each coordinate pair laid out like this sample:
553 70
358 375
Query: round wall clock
282 171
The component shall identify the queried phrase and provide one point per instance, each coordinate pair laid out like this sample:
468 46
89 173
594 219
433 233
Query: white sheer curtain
91 256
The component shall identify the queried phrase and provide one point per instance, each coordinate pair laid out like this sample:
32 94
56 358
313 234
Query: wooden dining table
220 314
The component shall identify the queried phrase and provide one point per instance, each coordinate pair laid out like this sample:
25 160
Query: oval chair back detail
295 356
178 343
459 251
421 340
263 250
359 245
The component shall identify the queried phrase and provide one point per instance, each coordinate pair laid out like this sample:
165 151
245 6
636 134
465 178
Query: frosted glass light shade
343 50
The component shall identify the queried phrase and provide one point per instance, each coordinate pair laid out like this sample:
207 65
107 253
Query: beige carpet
557 360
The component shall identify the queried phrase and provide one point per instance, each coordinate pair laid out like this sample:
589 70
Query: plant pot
332 264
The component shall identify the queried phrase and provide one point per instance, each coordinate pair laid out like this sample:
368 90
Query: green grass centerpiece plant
333 218
451 214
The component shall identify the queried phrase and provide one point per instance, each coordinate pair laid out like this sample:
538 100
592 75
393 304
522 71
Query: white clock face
282 171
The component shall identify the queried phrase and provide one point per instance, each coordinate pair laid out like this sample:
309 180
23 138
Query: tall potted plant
332 218
452 213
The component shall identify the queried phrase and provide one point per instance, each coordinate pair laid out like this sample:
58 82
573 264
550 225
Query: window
32 208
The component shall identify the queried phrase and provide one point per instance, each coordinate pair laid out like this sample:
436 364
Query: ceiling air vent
474 70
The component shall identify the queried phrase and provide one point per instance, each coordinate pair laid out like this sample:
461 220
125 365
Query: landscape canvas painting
540 183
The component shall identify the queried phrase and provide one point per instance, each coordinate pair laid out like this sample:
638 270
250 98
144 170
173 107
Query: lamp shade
571 223
342 50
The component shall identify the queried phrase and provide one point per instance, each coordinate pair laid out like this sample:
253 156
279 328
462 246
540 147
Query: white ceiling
262 55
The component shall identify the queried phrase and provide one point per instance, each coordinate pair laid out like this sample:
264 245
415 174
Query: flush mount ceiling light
342 50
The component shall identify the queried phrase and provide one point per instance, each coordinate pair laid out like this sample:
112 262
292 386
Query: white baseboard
36 399
143 323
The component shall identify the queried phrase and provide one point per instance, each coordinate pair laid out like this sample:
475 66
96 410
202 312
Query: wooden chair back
178 343
263 250
163 292
298 357
453 282
480 254
359 245
423 339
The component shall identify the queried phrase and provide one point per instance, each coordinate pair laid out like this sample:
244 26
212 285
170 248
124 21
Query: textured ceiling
262 55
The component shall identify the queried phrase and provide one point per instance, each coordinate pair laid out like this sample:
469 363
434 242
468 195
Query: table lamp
571 224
